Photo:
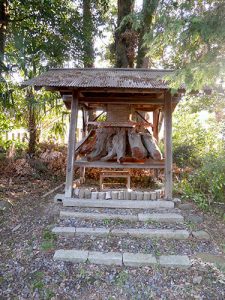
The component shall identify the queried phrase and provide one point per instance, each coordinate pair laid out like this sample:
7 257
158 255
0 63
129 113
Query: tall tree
40 35
189 36
125 37
146 19
88 30
4 20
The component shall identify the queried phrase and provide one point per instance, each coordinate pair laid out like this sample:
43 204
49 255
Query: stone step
118 204
155 217
119 259
133 232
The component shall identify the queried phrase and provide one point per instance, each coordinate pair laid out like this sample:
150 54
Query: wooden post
71 146
84 134
156 124
168 146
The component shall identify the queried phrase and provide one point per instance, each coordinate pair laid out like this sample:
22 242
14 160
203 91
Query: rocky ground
27 270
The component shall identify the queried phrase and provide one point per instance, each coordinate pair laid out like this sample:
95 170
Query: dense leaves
189 36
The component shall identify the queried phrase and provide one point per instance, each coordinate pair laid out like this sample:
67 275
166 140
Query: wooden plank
121 100
168 146
71 147
130 124
148 164
118 113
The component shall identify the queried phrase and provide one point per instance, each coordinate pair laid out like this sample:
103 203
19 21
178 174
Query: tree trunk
137 149
88 34
151 145
148 9
117 147
103 137
125 36
32 124
4 19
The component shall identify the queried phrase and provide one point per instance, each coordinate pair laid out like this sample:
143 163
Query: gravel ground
128 244
119 224
27 270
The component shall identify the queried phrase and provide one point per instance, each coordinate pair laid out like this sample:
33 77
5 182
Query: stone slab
75 256
185 206
153 195
116 258
114 195
101 195
217 260
146 196
92 231
94 195
127 195
152 233
161 217
109 258
118 204
139 195
59 198
87 193
201 235
64 231
133 195
158 194
138 259
108 195
175 261
121 195
194 218
81 193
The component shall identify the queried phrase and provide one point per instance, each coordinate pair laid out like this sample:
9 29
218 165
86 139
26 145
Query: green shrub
207 183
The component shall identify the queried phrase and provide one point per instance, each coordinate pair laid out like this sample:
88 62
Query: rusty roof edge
114 69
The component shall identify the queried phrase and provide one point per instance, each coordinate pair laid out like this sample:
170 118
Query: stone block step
119 259
155 217
133 232
142 204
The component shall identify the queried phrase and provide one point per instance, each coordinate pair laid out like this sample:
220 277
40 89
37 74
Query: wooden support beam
121 100
156 124
168 146
150 124
84 121
71 147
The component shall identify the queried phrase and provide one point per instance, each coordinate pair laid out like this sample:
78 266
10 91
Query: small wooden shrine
125 139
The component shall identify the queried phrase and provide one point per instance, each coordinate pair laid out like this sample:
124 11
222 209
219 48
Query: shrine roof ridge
102 78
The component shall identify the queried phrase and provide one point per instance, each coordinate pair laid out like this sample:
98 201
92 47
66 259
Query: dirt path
27 270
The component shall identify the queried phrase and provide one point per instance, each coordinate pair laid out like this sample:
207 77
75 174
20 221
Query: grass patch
190 225
106 222
121 278
38 282
48 240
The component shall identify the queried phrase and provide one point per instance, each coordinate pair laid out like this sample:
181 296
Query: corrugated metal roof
101 78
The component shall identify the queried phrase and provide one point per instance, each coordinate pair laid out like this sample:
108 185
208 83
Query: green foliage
38 282
206 184
194 138
198 146
189 36
5 124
